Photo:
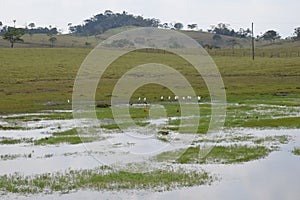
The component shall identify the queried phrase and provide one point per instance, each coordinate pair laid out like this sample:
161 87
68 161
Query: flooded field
42 156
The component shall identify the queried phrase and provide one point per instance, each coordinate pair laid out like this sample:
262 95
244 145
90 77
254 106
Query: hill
206 39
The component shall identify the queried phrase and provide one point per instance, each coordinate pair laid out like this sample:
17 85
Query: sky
280 15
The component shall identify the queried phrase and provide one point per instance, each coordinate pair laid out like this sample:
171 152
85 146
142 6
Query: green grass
66 133
96 179
296 151
218 154
235 154
63 139
11 128
9 141
282 139
191 155
34 117
37 79
292 122
14 156
110 126
42 79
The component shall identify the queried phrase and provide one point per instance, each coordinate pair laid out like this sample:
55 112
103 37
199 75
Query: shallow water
274 177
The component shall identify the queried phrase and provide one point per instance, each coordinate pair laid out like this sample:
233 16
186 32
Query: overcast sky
280 15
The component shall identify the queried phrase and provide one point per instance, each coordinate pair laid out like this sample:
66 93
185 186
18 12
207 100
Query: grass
218 155
14 156
235 154
191 155
96 179
66 133
11 128
42 79
282 139
31 78
110 126
296 151
9 141
39 117
63 139
292 122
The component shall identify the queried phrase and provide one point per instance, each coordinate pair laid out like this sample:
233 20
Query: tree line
13 34
102 22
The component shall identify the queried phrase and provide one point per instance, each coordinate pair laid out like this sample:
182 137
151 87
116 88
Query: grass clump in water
99 179
7 128
110 126
63 139
282 139
217 155
296 151
235 154
15 141
65 133
14 156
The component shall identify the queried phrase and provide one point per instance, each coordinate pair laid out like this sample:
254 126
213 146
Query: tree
13 35
1 24
192 26
222 29
108 13
31 25
52 40
52 31
270 35
178 26
297 34
165 25
242 33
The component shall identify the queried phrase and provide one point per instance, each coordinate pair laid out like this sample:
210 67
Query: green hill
203 38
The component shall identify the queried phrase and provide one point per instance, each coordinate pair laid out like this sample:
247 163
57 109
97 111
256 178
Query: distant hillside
206 39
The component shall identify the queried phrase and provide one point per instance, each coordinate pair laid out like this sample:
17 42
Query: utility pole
14 23
253 51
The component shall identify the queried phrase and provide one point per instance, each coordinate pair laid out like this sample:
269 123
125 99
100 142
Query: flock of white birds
169 98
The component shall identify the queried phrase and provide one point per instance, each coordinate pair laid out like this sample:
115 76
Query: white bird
176 97
183 98
162 98
199 98
139 99
68 101
169 98
145 99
